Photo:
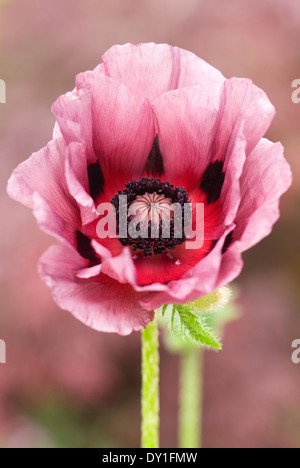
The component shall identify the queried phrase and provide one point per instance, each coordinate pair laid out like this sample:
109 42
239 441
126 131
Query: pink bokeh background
65 385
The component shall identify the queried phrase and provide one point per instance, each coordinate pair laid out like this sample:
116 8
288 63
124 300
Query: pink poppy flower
159 125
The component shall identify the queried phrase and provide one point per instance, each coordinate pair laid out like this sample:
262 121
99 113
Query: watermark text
2 352
296 93
155 221
2 92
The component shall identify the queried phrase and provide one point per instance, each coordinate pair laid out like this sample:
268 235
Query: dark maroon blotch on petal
155 165
96 180
85 249
212 181
228 242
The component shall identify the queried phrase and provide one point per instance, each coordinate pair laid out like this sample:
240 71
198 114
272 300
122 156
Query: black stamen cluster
151 240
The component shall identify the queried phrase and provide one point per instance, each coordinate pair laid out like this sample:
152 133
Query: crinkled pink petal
123 128
51 223
186 121
73 112
265 178
44 174
56 132
194 71
153 69
234 160
103 253
101 302
121 268
89 272
242 103
78 183
231 266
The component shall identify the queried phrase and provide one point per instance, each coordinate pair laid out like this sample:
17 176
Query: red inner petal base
156 216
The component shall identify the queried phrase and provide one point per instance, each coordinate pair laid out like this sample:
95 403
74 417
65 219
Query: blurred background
65 385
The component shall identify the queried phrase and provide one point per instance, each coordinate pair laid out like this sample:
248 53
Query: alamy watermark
296 353
2 352
152 222
296 93
2 92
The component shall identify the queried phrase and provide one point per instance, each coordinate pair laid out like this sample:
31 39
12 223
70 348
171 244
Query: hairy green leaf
189 326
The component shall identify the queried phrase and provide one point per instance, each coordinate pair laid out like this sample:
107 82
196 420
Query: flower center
150 207
154 215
